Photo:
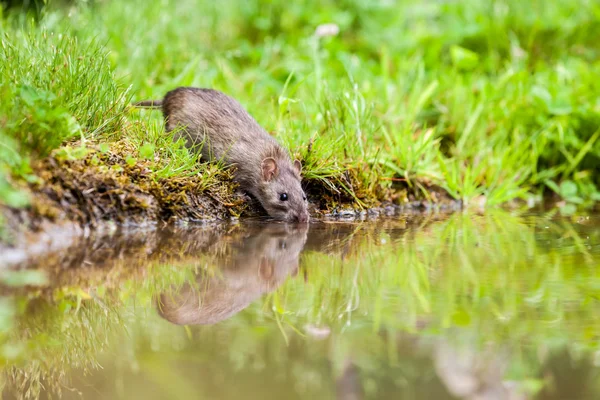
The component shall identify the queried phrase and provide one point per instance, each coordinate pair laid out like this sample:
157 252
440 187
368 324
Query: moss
107 186
90 185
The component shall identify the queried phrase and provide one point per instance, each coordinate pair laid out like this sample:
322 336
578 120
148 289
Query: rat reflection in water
259 264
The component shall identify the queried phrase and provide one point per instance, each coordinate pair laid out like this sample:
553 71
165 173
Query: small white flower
327 30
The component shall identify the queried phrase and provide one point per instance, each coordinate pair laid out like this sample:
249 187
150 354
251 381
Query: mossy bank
384 103
82 188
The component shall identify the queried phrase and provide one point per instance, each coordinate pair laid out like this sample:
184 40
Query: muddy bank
97 191
100 190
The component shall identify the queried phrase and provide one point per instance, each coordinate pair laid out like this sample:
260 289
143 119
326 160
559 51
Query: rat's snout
301 218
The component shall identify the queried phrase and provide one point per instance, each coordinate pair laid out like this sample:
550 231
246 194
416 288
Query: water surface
495 306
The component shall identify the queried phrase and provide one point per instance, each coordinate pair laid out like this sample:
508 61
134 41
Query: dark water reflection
499 306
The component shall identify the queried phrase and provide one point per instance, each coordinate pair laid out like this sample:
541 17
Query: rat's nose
302 218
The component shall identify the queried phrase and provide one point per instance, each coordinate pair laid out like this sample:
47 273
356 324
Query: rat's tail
148 104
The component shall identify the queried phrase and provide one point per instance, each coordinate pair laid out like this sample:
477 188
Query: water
499 306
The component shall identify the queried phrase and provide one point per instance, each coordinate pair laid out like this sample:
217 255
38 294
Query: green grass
493 100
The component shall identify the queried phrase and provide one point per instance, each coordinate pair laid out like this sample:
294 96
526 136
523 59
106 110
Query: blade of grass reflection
579 244
353 301
281 329
279 310
417 279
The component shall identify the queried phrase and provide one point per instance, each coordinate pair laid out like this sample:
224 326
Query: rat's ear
297 166
266 268
269 168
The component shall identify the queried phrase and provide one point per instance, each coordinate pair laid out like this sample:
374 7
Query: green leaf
15 198
130 161
543 96
553 186
568 189
104 148
147 151
464 59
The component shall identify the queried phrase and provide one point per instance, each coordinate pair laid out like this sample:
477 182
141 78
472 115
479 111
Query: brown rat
223 130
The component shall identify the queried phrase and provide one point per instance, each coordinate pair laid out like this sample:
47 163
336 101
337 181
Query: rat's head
280 191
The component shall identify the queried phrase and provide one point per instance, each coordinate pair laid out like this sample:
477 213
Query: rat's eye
283 197
304 198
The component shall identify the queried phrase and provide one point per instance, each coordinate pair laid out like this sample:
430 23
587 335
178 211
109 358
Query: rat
218 125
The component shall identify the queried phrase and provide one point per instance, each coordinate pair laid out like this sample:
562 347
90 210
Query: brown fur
219 127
